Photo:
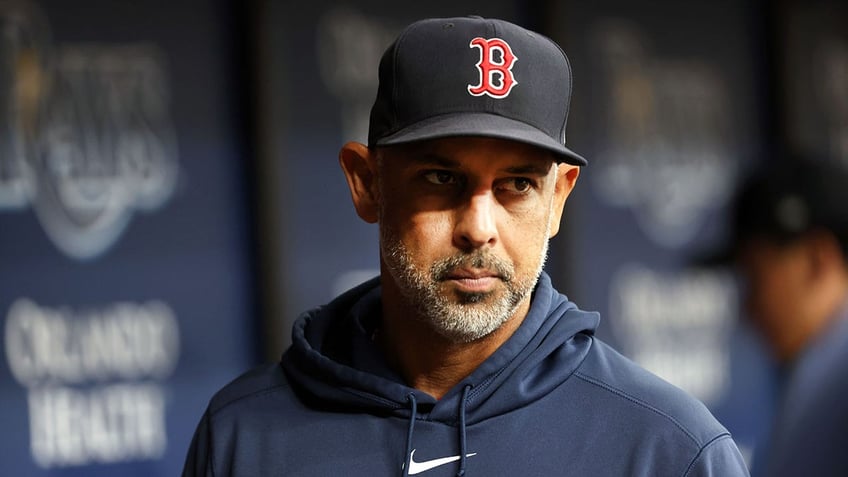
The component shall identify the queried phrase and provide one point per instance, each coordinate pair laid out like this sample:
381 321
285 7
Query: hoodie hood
334 408
334 363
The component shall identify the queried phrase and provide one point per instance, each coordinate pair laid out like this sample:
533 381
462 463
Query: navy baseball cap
783 200
473 76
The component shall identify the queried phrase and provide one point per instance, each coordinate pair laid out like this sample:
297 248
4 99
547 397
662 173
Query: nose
475 224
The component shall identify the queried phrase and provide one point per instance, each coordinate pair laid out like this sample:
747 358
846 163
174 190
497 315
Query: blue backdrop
125 286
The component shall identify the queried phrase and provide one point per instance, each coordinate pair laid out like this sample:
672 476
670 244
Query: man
790 237
461 358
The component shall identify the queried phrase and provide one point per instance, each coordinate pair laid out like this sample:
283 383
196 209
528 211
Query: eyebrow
529 169
430 158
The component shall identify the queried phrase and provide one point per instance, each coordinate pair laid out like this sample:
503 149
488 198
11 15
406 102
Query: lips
473 281
471 274
477 266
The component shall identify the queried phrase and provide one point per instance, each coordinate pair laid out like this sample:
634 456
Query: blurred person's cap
784 200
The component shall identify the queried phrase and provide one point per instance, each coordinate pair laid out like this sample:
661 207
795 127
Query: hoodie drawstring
413 415
462 446
413 404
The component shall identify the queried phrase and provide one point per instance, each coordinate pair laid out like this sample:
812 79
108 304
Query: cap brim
721 257
481 124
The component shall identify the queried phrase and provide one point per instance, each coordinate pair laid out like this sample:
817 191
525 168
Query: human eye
440 177
518 185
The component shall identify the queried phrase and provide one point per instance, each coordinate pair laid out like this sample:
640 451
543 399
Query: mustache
478 259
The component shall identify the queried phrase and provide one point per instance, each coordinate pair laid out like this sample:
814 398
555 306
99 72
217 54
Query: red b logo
490 69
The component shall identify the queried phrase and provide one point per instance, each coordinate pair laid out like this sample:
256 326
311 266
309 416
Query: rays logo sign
670 151
85 133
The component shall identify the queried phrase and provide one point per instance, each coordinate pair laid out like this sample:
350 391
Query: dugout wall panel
125 286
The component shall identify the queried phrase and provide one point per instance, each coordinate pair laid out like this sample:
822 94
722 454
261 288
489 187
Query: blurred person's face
777 279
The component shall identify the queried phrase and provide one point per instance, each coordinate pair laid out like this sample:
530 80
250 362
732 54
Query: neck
427 360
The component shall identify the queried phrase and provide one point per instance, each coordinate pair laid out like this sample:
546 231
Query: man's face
464 228
775 277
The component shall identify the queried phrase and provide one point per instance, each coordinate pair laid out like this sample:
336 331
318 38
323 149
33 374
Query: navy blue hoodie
552 401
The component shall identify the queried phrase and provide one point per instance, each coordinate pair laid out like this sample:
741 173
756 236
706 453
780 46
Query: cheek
774 295
422 233
765 299
524 239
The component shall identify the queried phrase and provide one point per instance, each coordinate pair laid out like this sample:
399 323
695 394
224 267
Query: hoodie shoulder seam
217 410
720 437
638 402
211 458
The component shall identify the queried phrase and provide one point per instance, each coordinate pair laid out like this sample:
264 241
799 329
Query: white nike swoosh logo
418 467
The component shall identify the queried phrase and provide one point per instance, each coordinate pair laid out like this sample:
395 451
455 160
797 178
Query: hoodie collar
334 361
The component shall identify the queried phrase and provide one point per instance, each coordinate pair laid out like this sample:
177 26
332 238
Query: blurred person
460 358
790 246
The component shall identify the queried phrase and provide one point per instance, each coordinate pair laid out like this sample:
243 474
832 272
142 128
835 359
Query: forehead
763 252
468 152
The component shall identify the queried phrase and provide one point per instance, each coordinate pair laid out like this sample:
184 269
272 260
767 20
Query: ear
826 279
360 169
566 178
824 253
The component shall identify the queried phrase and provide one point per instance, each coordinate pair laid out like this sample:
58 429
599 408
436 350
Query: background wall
170 196
671 114
125 265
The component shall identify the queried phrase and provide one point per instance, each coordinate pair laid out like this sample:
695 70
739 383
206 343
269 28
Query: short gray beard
472 315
